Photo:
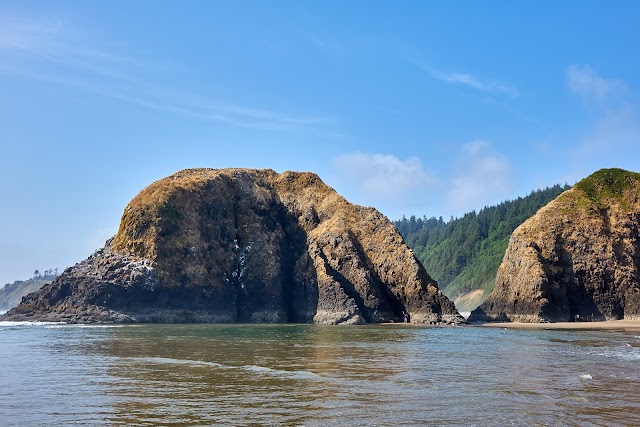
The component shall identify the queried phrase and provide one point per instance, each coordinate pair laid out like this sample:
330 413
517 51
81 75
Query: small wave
628 352
81 325
586 377
305 375
263 370
27 323
170 361
575 398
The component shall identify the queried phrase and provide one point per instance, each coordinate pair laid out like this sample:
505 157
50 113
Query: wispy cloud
583 81
47 51
614 130
473 82
481 177
456 78
28 35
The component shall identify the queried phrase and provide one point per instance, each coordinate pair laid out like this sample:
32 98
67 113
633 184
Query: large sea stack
577 259
239 245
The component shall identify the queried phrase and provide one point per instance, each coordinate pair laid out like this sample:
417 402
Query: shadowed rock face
239 245
578 256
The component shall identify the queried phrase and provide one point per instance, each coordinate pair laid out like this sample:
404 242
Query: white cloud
481 177
468 80
590 86
383 177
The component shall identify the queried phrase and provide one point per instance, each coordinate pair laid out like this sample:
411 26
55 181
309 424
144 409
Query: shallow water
311 375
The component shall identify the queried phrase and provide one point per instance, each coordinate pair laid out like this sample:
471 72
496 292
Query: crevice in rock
348 288
291 248
398 309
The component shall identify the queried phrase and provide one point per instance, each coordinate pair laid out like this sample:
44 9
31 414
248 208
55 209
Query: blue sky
426 108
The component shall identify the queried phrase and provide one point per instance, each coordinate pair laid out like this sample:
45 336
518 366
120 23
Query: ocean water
311 375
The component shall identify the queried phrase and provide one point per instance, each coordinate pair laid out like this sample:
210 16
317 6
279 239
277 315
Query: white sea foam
84 325
259 369
80 325
56 325
626 353
280 372
586 377
10 324
171 361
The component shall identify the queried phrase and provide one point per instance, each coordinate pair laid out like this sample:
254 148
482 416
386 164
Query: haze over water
310 375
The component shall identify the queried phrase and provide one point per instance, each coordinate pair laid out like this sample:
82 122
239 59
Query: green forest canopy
464 254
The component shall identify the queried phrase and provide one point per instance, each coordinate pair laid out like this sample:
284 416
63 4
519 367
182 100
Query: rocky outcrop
238 245
578 258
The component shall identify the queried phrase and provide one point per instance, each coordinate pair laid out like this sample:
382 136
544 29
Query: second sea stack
577 259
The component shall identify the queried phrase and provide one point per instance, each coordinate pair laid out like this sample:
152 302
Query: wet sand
631 325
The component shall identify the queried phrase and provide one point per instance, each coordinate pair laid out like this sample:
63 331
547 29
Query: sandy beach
630 325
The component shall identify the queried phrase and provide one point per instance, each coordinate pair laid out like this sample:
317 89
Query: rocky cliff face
239 245
578 258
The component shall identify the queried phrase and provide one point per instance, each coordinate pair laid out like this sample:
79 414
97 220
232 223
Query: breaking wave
627 352
26 323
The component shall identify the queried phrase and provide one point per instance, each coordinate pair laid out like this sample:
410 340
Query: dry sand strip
625 325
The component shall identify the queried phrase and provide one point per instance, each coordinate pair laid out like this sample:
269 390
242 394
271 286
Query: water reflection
316 376
242 375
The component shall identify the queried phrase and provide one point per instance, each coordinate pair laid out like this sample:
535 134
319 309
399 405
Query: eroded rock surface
578 258
238 245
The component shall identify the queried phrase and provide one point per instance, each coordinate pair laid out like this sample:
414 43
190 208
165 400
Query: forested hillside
11 294
464 254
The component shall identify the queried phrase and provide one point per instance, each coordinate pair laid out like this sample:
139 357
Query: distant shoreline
632 325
